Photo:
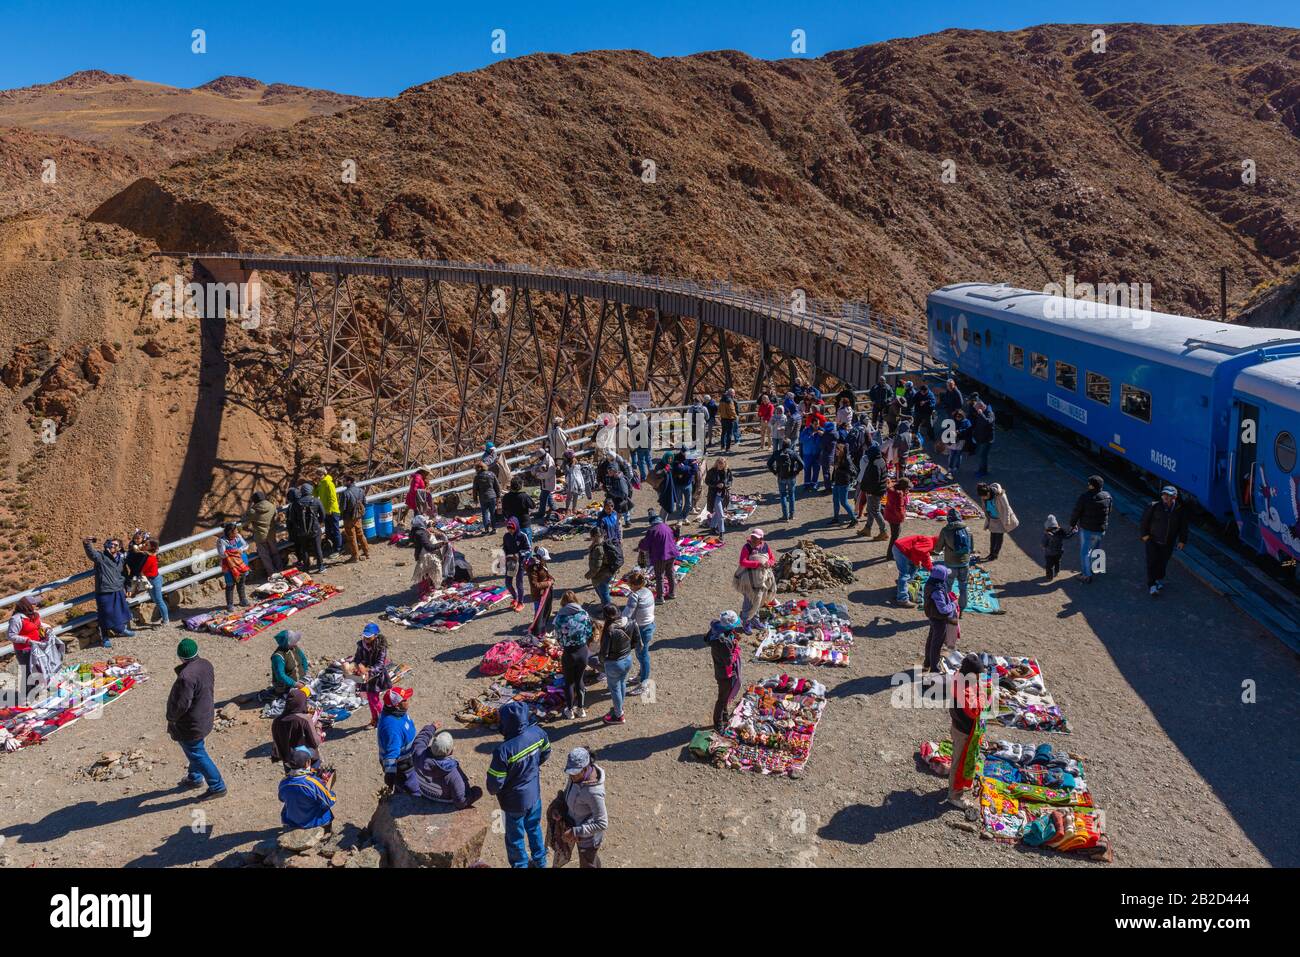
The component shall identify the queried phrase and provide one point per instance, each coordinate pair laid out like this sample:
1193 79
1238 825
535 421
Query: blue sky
381 48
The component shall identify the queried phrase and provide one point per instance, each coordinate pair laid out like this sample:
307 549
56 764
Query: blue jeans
954 460
519 826
785 489
840 497
641 462
811 470
334 531
1088 543
643 653
487 512
616 677
602 591
982 455
201 766
905 572
961 573
156 593
544 504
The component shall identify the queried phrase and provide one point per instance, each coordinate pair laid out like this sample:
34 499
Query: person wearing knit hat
191 712
395 736
724 646
289 663
1163 528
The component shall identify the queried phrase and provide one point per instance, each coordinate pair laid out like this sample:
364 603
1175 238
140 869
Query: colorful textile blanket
1023 699
935 502
456 528
801 632
691 551
739 510
568 524
448 608
980 594
1058 820
244 623
1016 765
545 702
924 473
771 730
73 692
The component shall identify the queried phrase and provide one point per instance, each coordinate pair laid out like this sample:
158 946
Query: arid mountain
878 172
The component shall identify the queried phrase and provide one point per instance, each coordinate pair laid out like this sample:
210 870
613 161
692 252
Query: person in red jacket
910 553
896 500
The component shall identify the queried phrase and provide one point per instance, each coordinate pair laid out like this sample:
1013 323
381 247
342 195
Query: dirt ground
1188 773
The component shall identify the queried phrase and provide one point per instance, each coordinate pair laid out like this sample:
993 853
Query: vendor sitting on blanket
288 663
306 795
396 738
438 775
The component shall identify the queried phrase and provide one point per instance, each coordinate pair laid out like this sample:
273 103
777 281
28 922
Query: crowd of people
853 449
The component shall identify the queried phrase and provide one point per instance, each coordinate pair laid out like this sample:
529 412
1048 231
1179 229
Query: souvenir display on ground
800 632
74 692
771 729
1023 699
449 608
980 594
288 593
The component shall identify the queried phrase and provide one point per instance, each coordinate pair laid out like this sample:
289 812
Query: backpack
303 520
961 543
613 556
355 503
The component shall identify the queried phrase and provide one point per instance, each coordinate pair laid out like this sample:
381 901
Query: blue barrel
384 519
368 523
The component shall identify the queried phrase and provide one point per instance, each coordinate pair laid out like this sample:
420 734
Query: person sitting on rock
439 775
396 739
306 795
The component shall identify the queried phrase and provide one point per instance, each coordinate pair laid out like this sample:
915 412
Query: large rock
300 841
420 833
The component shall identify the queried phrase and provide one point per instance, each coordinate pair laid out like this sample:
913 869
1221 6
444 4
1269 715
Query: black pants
894 529
305 548
588 857
934 644
573 663
1053 563
728 689
995 543
230 594
1157 560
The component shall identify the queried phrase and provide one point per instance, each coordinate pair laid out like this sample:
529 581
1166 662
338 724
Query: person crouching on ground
619 638
395 736
296 727
439 776
514 777
289 663
724 646
370 666
910 553
307 797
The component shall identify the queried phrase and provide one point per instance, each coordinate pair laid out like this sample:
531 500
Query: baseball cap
579 758
395 696
370 630
1169 490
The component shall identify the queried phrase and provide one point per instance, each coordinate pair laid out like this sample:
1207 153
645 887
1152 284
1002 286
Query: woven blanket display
72 693
448 608
334 692
526 671
287 593
691 550
924 473
1023 699
802 632
771 729
935 503
980 594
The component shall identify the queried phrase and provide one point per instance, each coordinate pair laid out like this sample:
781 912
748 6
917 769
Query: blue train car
1265 423
1152 388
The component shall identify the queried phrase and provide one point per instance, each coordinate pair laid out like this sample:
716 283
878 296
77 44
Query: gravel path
1153 689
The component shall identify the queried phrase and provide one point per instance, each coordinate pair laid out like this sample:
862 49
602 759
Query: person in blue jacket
513 776
826 451
809 451
306 794
396 737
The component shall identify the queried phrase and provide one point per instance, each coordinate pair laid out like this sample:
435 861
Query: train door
1244 477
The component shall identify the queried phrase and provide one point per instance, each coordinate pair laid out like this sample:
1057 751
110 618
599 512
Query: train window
1284 451
1097 387
977 339
965 334
1135 402
1016 356
988 337
1038 365
1067 376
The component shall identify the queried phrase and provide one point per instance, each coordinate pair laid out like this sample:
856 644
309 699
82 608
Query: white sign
1067 408
641 400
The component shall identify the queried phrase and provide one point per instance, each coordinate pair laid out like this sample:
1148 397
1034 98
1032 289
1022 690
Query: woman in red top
967 731
149 571
765 410
896 500
755 555
25 630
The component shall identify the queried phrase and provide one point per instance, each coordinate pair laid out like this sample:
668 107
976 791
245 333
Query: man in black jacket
1164 528
1090 516
190 714
517 503
982 418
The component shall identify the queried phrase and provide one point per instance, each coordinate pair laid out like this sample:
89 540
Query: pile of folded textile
527 671
74 692
935 503
924 473
334 692
1031 795
771 730
690 550
802 632
980 594
739 509
565 524
288 593
448 608
1023 699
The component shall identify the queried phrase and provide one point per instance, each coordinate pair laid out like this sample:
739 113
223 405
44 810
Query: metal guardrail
747 409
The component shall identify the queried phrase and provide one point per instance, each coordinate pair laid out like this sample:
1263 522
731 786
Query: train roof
1277 383
1197 345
